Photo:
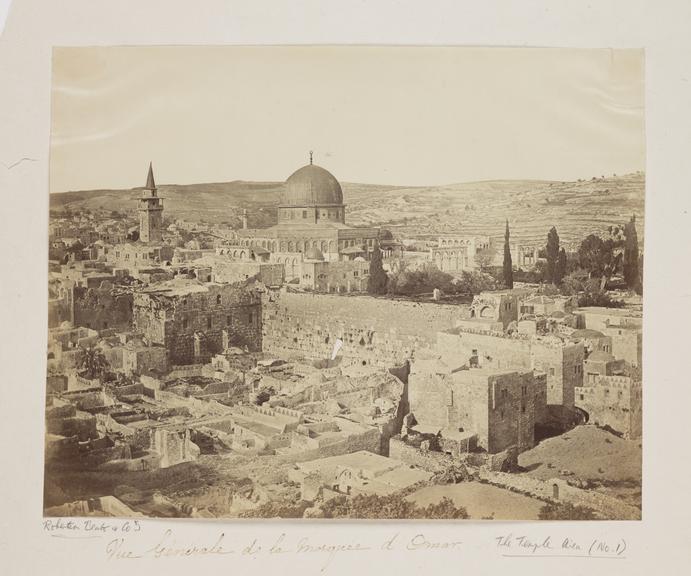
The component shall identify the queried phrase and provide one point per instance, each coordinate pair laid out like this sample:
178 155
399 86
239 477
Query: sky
406 116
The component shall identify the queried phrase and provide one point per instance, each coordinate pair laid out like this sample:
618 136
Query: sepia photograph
345 282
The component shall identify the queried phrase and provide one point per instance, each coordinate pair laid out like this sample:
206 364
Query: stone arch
486 312
242 254
300 246
324 246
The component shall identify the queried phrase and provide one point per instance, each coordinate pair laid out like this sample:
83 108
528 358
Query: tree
631 273
391 506
376 283
552 254
565 511
264 395
92 362
484 257
596 255
508 264
589 290
560 270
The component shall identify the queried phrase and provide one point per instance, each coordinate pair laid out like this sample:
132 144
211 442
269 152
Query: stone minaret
150 211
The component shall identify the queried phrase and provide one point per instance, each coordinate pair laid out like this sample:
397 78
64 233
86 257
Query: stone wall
607 507
369 439
231 271
374 331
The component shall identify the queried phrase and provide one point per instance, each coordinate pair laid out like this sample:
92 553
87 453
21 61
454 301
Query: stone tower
150 211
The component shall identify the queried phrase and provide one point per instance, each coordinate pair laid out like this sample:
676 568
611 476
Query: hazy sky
409 116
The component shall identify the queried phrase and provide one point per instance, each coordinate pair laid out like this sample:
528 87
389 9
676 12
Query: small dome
311 185
314 253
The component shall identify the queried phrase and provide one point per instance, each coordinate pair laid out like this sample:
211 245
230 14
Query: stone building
613 401
311 215
499 406
338 276
601 363
598 318
627 343
457 253
623 326
195 320
132 255
560 359
500 307
541 305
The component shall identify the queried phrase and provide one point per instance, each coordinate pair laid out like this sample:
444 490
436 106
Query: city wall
374 331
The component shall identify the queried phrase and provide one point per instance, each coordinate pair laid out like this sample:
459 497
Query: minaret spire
150 183
311 157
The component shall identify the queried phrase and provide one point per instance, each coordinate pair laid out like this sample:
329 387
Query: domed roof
311 185
313 253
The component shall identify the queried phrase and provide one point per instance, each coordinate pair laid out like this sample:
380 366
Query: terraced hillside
532 206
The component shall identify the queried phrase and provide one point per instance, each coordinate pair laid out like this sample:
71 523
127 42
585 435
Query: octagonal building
311 216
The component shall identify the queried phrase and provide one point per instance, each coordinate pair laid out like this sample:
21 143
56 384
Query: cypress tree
377 281
631 275
552 250
508 264
560 270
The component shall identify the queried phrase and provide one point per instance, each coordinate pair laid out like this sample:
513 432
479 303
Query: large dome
311 185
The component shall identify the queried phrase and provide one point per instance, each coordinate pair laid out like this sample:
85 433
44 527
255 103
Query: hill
473 208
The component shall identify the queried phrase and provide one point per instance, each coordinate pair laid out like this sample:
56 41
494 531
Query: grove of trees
392 506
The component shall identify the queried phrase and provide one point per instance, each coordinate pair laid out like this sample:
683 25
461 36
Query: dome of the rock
311 185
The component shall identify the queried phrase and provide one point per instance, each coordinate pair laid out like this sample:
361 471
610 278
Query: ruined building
194 321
